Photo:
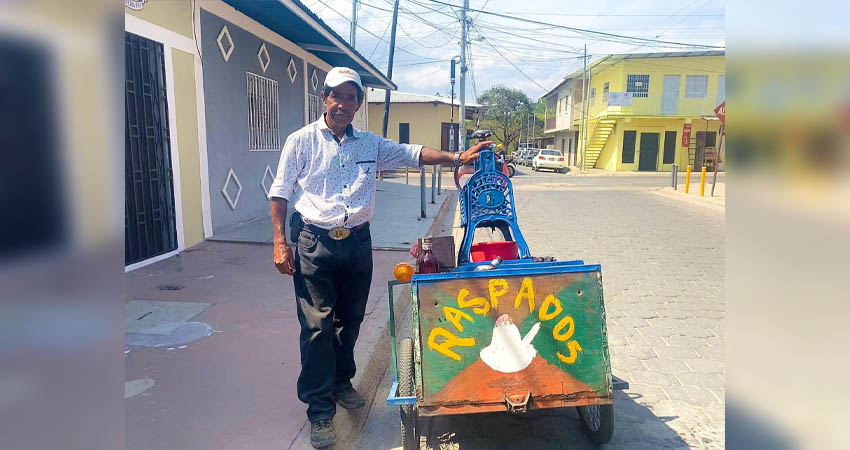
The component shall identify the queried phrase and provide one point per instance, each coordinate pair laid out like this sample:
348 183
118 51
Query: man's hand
430 156
283 259
472 153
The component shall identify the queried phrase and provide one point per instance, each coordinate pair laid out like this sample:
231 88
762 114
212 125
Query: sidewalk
693 194
234 386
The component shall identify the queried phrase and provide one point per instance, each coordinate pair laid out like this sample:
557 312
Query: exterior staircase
601 132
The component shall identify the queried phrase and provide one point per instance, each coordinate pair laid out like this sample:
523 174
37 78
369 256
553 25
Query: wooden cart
529 334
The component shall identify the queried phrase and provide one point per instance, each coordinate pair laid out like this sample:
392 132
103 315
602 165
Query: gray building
264 63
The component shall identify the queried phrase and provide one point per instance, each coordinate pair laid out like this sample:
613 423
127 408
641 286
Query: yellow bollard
702 183
688 180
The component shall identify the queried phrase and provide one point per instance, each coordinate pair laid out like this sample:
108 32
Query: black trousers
332 280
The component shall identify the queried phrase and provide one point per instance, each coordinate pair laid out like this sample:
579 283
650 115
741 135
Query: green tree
506 113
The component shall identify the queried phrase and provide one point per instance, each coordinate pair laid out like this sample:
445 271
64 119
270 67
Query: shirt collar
349 132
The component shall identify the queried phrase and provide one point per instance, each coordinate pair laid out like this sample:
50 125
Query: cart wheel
598 422
409 433
511 171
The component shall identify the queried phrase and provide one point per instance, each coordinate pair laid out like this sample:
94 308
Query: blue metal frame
487 199
550 268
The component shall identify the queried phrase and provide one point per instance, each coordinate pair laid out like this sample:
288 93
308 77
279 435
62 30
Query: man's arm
429 156
283 258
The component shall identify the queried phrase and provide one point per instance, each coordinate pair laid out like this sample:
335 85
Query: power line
375 35
510 62
599 34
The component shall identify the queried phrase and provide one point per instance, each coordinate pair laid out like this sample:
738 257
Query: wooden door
648 160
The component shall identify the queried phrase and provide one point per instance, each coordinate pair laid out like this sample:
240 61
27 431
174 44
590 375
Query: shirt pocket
366 167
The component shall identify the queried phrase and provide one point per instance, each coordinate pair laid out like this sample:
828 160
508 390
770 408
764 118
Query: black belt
336 234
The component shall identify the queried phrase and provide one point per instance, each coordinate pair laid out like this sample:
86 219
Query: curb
448 206
717 203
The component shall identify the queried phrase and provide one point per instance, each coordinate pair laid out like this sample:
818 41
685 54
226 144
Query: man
327 173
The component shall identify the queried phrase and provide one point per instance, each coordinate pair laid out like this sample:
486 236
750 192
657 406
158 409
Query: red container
488 251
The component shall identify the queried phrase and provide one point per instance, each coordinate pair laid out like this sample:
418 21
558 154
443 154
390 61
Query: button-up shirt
332 183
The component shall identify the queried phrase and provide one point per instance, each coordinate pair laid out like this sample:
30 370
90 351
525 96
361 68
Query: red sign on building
686 135
721 112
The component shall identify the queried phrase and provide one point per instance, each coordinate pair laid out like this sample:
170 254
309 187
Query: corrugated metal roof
377 96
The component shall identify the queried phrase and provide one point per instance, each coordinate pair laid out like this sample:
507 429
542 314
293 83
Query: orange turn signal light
403 272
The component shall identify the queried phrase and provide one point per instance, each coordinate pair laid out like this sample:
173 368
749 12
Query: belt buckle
339 234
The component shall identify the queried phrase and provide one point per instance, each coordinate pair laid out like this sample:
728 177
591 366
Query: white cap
339 75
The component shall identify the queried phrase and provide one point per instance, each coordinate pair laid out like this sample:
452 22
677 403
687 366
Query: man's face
341 104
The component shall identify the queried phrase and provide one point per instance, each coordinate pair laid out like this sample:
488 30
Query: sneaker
349 398
322 433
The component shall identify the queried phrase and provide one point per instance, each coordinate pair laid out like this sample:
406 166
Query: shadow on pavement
635 427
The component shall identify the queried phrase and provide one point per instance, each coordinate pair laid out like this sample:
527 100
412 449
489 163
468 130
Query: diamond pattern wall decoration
225 35
263 57
314 80
231 201
268 174
292 70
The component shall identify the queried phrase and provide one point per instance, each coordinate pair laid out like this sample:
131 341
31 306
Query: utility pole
586 103
353 23
390 76
452 137
463 43
533 123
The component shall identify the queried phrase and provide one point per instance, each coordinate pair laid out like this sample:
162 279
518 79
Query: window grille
593 96
638 85
315 107
605 91
263 113
696 86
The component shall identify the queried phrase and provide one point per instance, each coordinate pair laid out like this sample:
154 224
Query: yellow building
644 111
417 118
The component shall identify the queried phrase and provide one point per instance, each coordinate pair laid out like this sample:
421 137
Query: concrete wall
174 15
187 137
425 121
227 117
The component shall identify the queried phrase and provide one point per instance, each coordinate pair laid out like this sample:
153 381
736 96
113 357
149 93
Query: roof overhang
295 22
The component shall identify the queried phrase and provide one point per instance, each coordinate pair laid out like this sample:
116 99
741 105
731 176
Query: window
638 85
696 86
550 152
721 89
315 108
593 96
629 138
605 92
404 133
263 124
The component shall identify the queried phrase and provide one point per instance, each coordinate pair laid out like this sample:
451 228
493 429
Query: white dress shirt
333 184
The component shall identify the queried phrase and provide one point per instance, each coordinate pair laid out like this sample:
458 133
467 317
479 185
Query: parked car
518 156
548 159
529 156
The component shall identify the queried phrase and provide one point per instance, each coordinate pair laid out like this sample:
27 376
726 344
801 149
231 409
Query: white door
670 95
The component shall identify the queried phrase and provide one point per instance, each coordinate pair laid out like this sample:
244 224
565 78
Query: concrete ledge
717 203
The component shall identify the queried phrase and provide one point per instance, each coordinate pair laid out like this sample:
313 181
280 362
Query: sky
528 56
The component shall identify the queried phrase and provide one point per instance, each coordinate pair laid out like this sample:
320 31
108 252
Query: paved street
662 262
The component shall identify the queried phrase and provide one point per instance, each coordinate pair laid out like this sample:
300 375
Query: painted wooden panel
482 338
